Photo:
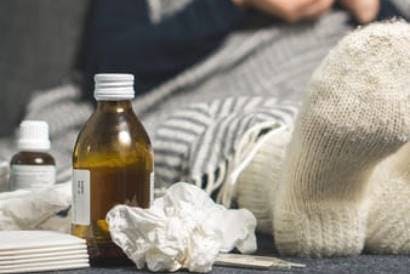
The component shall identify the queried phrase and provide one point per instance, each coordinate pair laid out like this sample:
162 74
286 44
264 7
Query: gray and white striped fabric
205 143
206 122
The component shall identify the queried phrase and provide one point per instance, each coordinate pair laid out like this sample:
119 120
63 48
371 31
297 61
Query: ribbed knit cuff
322 233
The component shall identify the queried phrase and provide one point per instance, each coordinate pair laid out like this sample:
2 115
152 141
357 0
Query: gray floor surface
360 264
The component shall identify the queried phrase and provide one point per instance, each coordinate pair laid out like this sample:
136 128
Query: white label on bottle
81 197
152 188
31 176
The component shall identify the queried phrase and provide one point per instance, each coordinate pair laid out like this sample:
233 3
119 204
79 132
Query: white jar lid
114 87
33 136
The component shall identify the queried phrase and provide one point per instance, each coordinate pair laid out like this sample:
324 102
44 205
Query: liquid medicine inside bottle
113 164
32 167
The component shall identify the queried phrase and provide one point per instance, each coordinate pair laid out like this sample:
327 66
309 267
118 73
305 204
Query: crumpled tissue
36 209
182 229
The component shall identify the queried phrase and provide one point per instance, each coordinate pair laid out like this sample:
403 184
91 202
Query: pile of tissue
36 209
182 229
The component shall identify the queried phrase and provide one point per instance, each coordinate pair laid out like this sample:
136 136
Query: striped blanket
209 144
206 123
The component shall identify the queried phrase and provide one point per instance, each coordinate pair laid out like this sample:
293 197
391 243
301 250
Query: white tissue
182 229
35 209
4 176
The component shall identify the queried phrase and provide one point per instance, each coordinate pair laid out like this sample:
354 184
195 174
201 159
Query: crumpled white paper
182 229
36 209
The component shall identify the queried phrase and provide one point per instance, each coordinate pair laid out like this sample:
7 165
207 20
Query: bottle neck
33 150
114 106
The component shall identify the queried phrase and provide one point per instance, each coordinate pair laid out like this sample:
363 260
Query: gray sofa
39 42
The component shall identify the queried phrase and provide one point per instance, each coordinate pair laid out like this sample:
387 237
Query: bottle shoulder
103 127
112 137
32 158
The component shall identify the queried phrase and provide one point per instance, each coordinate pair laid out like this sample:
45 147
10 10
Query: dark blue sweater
121 38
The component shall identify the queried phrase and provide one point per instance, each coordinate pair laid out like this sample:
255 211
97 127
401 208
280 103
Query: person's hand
365 11
289 10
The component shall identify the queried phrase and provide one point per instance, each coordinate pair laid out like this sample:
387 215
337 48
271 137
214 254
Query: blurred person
127 36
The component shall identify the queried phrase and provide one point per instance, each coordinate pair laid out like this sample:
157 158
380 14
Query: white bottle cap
33 136
114 86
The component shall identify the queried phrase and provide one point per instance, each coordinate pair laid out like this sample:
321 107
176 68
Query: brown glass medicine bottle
32 167
113 164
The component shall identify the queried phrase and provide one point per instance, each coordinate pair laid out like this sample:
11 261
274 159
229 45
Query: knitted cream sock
388 229
257 183
356 113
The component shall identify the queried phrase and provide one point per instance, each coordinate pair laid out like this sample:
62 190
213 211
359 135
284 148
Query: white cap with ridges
33 136
114 86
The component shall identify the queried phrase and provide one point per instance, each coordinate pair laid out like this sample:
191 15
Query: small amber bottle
32 167
113 164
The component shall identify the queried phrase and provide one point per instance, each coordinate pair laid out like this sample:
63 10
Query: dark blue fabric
388 10
121 38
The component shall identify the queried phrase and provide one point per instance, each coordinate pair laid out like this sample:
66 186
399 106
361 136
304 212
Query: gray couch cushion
38 44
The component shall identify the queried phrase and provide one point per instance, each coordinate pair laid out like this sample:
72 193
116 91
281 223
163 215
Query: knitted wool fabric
356 114
388 230
389 190
257 183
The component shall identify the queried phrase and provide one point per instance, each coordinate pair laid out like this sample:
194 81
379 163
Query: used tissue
36 209
182 229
